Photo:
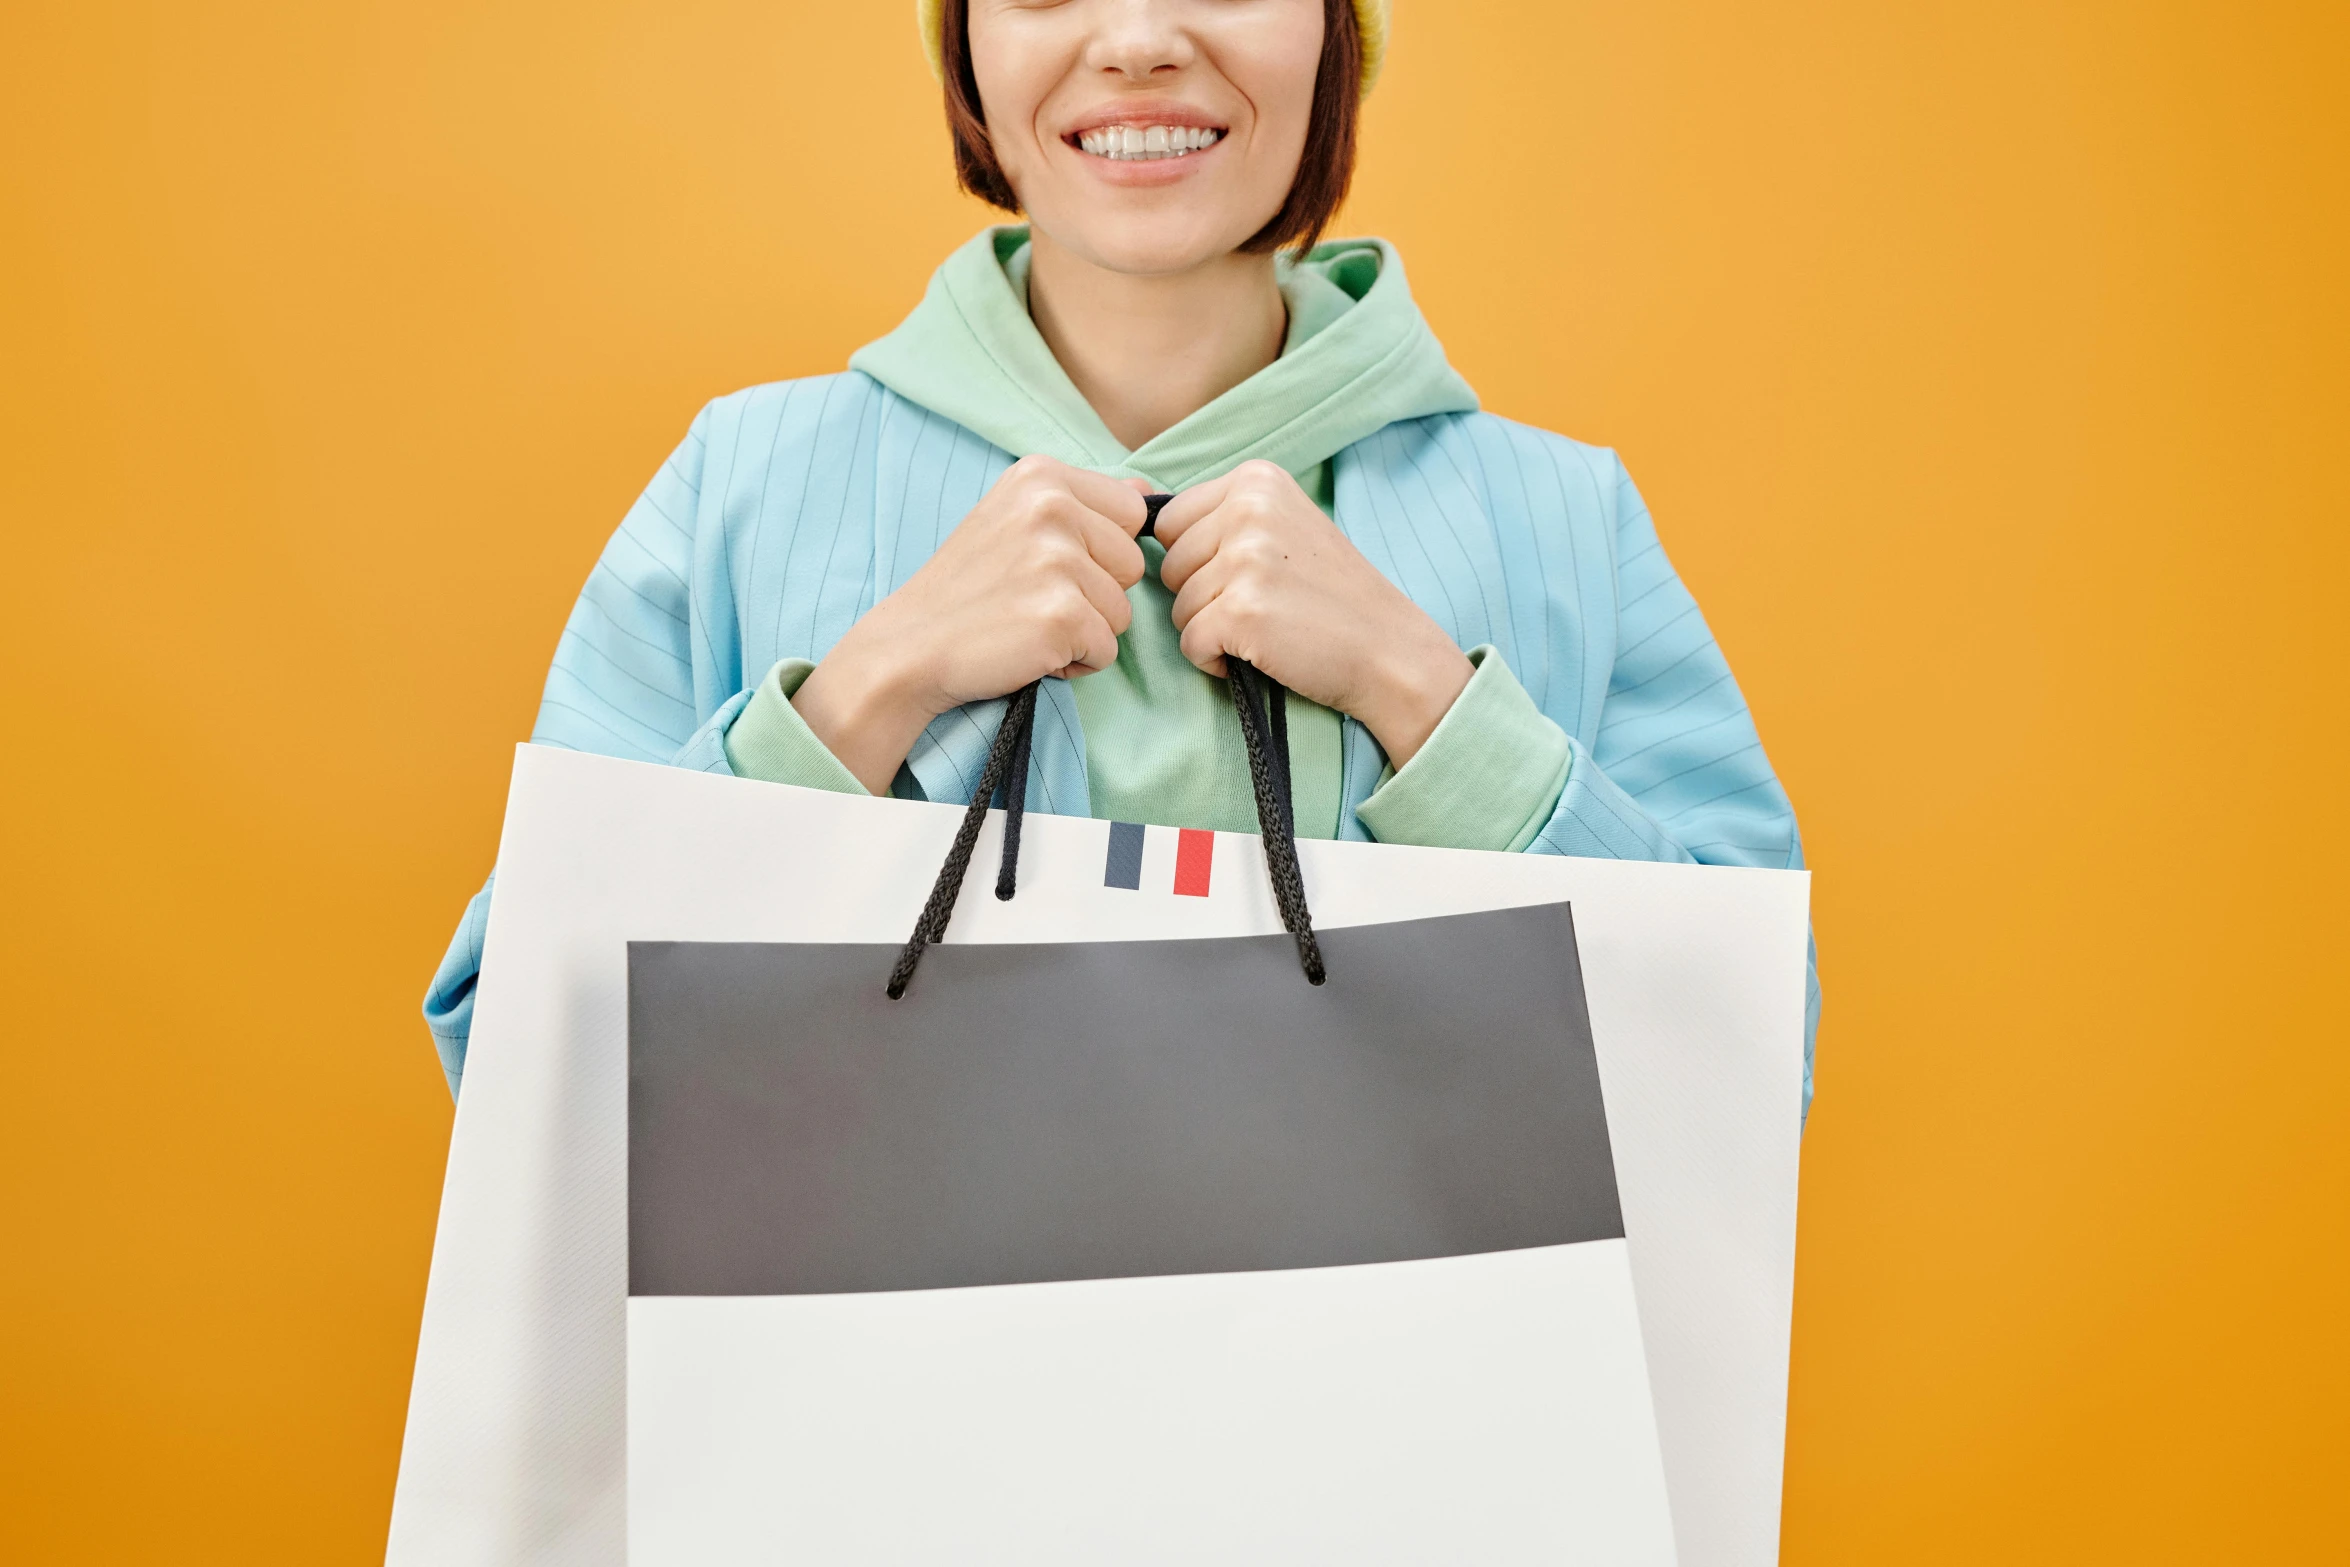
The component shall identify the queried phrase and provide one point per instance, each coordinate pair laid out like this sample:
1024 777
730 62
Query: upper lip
1143 113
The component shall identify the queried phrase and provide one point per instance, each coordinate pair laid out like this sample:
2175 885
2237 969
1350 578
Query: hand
1260 573
1031 583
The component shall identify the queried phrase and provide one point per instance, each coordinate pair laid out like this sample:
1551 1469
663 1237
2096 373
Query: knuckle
1043 512
1073 613
1258 552
1256 505
1050 550
1247 605
1039 607
1041 487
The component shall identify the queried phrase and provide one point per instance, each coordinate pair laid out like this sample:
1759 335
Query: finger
1115 499
1203 540
1032 470
1093 644
1112 547
1199 589
1108 597
1068 620
1188 508
1203 641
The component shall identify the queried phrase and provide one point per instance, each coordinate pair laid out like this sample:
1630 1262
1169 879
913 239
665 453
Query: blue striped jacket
791 508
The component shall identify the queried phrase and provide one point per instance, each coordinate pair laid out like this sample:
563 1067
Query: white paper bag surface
516 1446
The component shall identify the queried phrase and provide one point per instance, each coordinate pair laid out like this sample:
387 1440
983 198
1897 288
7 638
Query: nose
1140 39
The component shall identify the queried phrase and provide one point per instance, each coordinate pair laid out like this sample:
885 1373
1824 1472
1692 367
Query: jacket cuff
771 742
1488 778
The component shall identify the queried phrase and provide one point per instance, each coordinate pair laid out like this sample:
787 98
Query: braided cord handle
1012 740
1263 705
1266 731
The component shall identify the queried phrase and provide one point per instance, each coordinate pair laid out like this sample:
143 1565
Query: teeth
1139 142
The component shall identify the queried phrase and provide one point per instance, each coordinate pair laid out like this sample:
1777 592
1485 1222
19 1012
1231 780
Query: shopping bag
518 1425
1214 1258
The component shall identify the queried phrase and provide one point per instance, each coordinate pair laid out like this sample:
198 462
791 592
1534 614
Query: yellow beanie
1371 15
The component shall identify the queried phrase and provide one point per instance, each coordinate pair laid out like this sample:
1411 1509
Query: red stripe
1194 852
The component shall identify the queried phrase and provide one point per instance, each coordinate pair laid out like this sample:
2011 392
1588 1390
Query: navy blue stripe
1125 864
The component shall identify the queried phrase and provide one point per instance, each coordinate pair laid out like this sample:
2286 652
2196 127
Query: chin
1150 244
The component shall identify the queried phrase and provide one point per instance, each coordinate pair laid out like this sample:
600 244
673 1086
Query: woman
834 582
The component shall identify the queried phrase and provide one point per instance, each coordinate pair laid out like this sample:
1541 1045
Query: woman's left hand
1260 573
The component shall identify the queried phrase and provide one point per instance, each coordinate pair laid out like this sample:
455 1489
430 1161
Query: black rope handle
1263 706
1266 732
1011 737
1020 718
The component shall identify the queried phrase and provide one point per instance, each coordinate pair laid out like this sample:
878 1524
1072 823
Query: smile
1141 143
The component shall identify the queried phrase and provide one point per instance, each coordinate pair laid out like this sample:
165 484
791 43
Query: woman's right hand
1031 583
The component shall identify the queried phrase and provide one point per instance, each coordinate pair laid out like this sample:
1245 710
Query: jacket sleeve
623 683
1675 769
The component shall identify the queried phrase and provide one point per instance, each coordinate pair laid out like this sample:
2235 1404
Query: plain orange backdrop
1984 365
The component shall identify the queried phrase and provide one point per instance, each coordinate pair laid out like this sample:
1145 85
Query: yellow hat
1370 15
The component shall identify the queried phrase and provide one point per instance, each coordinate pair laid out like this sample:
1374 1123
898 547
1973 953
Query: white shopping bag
518 1438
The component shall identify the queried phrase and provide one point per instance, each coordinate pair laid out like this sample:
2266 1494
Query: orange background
1983 364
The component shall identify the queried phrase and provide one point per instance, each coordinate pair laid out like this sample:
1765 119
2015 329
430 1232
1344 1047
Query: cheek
1015 71
1276 71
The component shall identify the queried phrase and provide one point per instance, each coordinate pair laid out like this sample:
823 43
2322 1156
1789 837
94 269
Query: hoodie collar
1359 357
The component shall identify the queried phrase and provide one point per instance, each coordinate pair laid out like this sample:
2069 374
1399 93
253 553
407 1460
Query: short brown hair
1324 171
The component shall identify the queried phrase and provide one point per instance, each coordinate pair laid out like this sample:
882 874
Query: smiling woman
835 582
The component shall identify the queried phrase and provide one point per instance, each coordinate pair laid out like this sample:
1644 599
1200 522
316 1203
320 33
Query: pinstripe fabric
791 508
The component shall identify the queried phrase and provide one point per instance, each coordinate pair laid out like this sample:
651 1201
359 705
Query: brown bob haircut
1324 171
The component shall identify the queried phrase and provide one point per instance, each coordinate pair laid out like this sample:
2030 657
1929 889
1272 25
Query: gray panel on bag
1109 1109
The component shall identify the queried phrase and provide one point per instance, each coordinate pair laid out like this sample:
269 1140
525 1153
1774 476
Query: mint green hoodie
1162 742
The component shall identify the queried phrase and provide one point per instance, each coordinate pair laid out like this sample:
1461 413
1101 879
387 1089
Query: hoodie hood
1359 357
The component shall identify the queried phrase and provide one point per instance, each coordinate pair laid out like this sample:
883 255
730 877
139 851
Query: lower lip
1147 171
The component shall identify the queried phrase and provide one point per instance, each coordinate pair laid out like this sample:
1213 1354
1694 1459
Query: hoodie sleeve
1487 778
772 743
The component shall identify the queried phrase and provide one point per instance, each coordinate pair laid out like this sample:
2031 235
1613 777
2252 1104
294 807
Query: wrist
1416 683
868 703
